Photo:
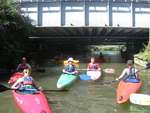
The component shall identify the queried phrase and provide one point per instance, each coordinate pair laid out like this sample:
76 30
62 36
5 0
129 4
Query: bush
144 54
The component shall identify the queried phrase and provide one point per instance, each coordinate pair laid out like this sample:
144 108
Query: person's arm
122 74
29 67
16 84
137 73
65 70
88 67
98 67
18 67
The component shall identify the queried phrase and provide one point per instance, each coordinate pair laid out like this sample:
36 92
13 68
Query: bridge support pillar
86 13
133 48
132 14
39 14
109 6
62 13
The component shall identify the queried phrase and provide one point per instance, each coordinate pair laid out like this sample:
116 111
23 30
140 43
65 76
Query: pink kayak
31 103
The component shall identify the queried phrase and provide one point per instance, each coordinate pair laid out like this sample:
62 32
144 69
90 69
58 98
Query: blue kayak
85 77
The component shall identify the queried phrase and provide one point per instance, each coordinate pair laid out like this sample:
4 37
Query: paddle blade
109 70
3 88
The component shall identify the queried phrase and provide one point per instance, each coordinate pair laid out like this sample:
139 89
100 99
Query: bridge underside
90 35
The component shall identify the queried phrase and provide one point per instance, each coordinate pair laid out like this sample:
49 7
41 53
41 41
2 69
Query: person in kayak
129 73
70 68
93 69
26 84
93 66
23 65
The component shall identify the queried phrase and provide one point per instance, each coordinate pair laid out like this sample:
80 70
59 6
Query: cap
70 59
24 58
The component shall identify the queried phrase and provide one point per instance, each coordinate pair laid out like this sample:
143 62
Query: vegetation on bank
144 54
14 30
105 48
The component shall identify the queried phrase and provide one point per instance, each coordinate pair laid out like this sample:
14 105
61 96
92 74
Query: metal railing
21 1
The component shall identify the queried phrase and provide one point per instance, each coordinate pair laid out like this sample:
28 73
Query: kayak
85 77
140 99
95 75
125 89
31 103
14 77
66 80
75 62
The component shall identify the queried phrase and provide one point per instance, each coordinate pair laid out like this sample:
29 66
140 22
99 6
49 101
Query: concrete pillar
39 14
62 13
86 13
109 7
132 14
131 49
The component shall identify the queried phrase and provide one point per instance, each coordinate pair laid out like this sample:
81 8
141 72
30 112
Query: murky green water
83 96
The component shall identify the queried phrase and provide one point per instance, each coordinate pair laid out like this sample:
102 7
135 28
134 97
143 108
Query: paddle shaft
96 70
5 88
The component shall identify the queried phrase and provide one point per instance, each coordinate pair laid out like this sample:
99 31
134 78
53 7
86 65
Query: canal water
83 96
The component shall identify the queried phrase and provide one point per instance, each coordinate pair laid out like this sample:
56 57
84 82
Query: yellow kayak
75 62
140 99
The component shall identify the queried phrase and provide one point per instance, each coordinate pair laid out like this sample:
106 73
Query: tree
14 30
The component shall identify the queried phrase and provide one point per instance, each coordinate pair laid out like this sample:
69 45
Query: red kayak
31 103
124 90
14 77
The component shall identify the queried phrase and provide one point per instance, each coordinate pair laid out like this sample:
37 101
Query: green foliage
144 54
14 30
109 49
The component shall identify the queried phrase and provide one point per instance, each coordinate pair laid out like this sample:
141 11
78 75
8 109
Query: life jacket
131 76
93 66
70 68
28 80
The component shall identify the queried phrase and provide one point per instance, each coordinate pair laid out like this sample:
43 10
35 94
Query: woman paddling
26 83
70 68
130 73
93 69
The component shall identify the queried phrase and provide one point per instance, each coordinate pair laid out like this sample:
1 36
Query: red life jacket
93 66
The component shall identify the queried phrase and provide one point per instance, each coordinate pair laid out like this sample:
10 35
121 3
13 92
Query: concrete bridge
89 22
114 13
91 35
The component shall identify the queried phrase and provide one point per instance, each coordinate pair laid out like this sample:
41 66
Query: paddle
5 88
107 70
146 67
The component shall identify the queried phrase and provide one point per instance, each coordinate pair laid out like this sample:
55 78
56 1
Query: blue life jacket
131 77
28 80
70 68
